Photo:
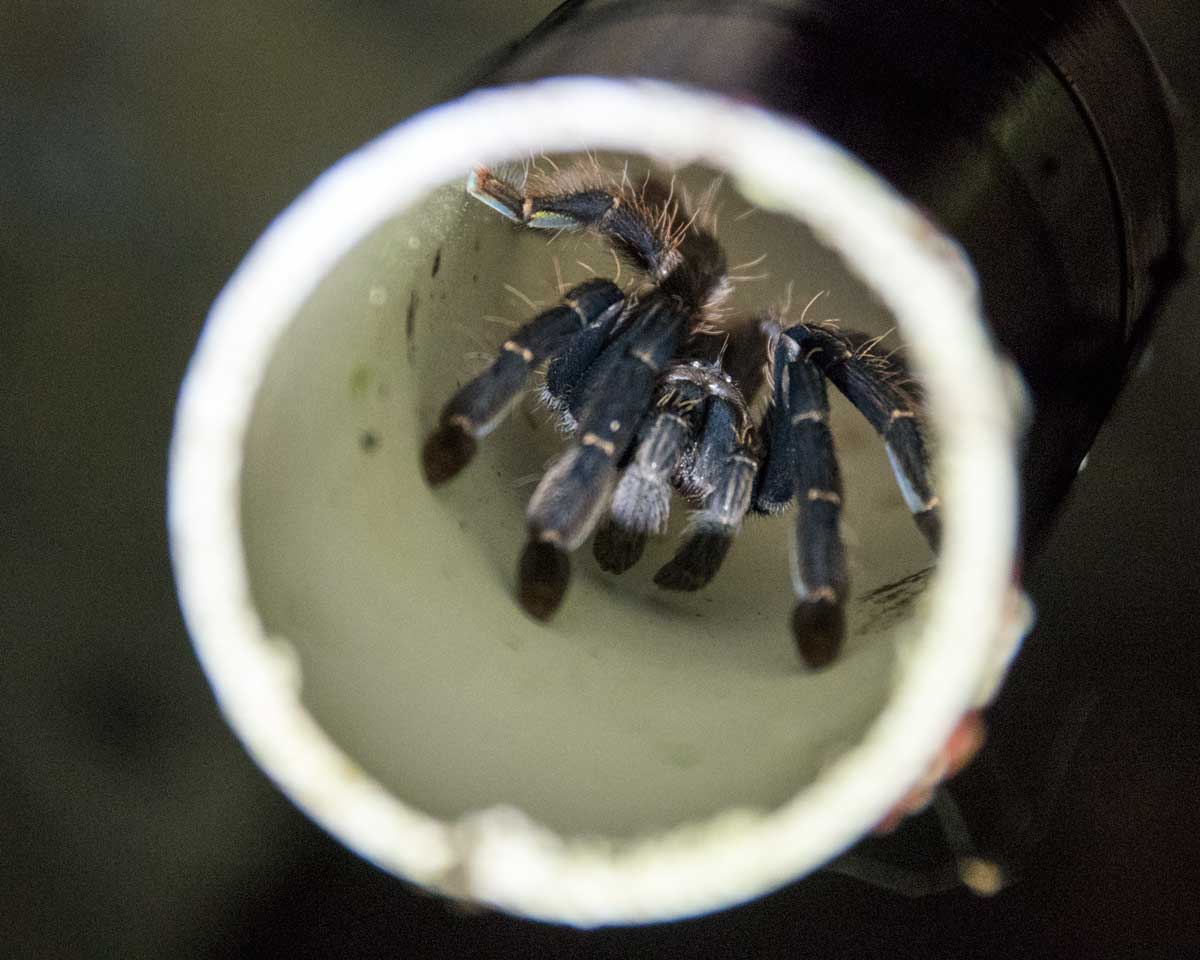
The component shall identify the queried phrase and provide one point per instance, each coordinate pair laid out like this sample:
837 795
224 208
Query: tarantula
658 387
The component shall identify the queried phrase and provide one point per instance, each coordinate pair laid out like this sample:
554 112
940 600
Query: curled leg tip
543 574
617 549
819 627
446 452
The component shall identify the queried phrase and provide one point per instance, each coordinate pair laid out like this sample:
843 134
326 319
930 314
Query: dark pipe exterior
1034 131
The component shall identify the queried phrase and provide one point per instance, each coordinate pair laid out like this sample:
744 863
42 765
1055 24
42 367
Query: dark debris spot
437 263
368 440
889 604
410 324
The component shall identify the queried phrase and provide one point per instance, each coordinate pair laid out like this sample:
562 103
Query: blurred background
144 144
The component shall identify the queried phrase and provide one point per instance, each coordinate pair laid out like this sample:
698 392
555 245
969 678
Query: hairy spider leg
776 487
641 503
866 383
818 557
613 399
725 467
701 469
610 215
567 368
479 406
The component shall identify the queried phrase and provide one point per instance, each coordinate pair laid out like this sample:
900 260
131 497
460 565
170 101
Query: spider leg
641 502
609 214
614 397
890 410
701 471
568 366
776 486
723 465
479 406
818 557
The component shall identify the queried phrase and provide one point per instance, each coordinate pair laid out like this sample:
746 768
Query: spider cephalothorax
658 386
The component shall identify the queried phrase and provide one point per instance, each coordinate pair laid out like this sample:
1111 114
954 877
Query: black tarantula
658 387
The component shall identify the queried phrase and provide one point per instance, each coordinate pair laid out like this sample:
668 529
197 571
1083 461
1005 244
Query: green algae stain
360 380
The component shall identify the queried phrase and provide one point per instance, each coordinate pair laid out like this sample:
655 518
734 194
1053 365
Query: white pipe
274 389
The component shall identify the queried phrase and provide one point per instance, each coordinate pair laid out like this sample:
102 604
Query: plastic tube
638 759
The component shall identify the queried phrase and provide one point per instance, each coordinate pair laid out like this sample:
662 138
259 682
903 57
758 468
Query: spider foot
713 528
447 451
819 628
543 575
617 548
698 559
562 513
